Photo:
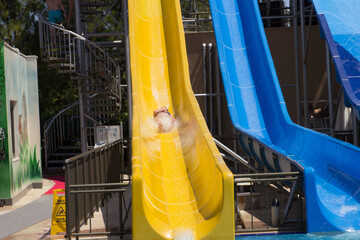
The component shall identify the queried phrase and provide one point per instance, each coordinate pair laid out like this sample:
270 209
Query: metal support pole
77 17
328 71
304 70
82 122
211 88
290 199
67 201
297 71
205 85
128 73
236 208
82 69
355 122
268 7
217 74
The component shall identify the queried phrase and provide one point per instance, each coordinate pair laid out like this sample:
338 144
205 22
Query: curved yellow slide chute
181 185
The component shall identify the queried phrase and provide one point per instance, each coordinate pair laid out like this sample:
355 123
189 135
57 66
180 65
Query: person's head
161 110
164 119
164 109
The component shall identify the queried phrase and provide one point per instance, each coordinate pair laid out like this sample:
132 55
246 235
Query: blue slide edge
347 65
331 167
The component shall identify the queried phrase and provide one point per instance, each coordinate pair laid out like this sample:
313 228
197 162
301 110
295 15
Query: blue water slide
339 21
331 167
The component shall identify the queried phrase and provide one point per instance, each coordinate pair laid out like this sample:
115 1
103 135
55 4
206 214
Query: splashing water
165 124
183 234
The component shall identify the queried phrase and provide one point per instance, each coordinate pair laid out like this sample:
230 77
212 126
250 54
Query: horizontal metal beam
278 174
104 34
241 180
209 94
95 234
300 229
99 185
98 191
277 17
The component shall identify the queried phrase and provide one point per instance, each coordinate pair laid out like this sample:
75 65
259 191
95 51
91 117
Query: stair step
92 84
110 44
104 34
59 65
57 48
101 105
95 92
63 154
91 12
97 97
48 58
70 148
52 170
79 77
66 71
102 112
94 4
51 161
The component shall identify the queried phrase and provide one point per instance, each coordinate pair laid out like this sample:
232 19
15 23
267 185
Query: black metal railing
269 202
91 180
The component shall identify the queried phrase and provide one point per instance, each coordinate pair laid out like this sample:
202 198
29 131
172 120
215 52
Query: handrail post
67 201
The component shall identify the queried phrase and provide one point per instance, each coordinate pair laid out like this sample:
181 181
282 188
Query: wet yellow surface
181 184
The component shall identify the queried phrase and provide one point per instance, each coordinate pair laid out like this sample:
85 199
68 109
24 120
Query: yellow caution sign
58 221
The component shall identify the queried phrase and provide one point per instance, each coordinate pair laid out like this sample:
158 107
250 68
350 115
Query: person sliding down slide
164 119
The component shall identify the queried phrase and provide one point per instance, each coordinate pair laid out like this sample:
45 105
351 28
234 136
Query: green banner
5 189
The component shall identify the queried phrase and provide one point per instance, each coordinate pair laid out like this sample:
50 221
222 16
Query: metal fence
91 179
269 202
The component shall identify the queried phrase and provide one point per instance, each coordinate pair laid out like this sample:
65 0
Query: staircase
98 79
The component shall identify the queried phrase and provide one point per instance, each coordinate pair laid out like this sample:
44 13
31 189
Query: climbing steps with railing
98 79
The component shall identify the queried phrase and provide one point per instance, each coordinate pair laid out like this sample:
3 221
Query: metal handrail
49 146
90 178
54 136
235 156
50 121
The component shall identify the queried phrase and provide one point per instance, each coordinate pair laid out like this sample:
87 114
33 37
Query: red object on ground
59 184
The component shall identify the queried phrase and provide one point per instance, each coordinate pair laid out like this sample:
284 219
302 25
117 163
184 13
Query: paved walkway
31 209
26 216
30 217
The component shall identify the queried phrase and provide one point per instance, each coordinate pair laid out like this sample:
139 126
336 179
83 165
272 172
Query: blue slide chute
257 108
339 21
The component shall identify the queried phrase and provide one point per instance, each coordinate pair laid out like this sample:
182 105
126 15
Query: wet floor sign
58 220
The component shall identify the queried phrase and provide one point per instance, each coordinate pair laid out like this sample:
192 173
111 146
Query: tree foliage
18 18
19 28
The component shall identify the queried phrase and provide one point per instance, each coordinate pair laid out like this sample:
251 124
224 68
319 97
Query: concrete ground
20 221
30 217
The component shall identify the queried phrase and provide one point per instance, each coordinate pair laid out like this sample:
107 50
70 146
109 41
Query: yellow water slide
182 188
